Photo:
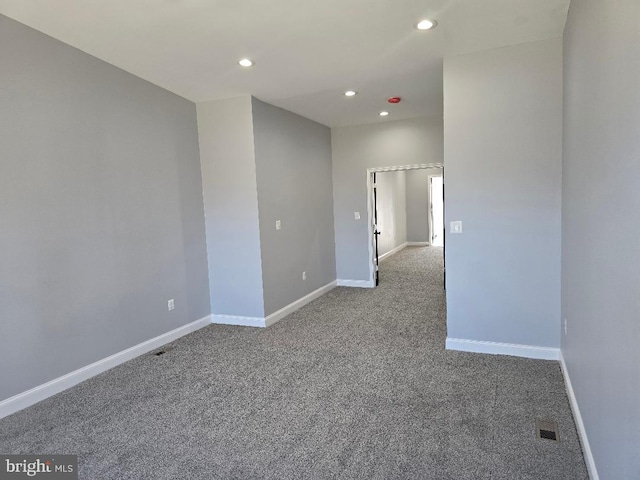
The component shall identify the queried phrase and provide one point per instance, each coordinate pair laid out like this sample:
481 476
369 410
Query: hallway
357 384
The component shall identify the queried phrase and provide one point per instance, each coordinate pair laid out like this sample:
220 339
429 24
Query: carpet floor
355 385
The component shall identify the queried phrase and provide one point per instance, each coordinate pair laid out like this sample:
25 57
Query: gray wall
293 167
503 143
101 208
354 149
392 210
231 206
601 188
418 204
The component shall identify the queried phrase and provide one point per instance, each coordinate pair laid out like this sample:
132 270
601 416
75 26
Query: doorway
436 210
374 230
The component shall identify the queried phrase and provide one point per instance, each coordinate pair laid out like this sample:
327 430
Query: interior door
375 227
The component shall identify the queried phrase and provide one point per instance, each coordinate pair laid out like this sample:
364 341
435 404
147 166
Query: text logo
49 467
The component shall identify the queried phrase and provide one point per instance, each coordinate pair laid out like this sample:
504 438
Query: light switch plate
356 215
278 225
456 227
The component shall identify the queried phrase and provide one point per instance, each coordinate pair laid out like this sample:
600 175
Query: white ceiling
307 52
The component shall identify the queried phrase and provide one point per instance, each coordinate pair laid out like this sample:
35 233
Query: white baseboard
496 348
356 283
237 320
46 390
582 433
418 244
275 316
301 302
391 252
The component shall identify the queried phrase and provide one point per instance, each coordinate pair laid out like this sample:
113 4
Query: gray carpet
357 384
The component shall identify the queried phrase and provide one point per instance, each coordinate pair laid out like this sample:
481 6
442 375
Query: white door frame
370 171
431 206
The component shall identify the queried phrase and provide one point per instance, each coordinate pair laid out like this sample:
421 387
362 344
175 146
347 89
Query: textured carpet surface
357 384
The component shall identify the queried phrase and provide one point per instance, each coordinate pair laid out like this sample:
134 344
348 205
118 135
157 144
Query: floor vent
547 430
162 350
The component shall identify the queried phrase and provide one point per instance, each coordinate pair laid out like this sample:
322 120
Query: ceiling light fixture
245 62
426 24
350 93
383 113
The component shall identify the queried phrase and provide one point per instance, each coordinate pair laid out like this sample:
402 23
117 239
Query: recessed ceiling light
426 24
383 113
245 62
350 93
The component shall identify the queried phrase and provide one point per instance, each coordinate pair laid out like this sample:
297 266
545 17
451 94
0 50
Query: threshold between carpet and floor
356 384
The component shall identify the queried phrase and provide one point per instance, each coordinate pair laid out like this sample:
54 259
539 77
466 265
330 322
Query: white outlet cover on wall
356 215
456 227
278 225
171 305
